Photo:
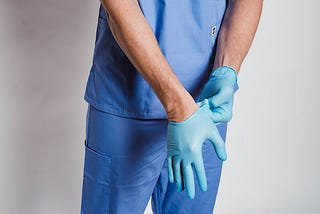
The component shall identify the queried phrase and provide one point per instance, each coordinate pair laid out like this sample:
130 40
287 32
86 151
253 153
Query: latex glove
185 141
219 90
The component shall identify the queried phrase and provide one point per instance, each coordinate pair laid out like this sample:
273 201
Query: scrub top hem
125 113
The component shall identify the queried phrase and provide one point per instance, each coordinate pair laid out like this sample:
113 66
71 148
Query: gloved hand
219 91
185 141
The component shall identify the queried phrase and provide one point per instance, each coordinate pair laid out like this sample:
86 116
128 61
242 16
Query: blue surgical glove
219 91
185 141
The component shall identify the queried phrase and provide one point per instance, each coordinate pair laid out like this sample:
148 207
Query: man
160 94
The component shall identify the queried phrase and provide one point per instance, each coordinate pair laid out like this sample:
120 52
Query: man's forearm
136 38
237 32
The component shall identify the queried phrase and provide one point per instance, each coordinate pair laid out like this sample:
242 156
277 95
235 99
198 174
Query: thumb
221 97
218 143
222 113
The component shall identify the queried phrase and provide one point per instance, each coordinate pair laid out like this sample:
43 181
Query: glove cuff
226 72
204 104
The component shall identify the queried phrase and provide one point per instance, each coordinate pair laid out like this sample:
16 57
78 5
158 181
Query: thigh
123 159
166 199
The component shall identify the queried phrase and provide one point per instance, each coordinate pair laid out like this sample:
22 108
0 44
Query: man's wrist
226 72
226 60
180 106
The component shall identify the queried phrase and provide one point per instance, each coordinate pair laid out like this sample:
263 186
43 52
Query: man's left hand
219 90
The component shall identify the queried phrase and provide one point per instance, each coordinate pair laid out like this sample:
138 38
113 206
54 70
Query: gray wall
45 55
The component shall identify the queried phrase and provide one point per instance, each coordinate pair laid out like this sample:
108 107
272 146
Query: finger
225 94
218 143
176 162
189 181
170 170
223 113
201 174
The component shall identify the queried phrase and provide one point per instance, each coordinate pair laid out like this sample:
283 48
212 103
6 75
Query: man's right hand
184 146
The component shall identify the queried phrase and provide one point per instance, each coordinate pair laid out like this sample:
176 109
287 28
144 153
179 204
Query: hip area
116 136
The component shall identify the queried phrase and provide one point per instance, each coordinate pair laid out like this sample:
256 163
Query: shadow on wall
48 48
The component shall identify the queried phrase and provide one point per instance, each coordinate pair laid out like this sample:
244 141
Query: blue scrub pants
125 164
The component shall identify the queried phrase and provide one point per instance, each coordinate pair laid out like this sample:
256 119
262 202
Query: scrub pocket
96 182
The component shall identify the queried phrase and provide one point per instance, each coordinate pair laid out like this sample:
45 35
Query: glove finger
176 162
201 173
225 94
223 113
218 143
189 181
170 170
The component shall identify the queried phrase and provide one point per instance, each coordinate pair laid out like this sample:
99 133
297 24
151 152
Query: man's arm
237 31
136 38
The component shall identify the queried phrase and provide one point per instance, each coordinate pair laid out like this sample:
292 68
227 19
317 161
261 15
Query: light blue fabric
186 33
125 163
185 141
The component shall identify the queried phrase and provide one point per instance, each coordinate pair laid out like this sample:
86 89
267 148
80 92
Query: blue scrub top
186 32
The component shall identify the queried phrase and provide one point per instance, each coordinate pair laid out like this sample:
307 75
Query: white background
273 143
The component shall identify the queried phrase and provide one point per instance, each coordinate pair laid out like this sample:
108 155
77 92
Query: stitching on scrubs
107 159
126 114
98 153
88 176
157 198
136 185
160 201
88 124
141 183
110 184
146 97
